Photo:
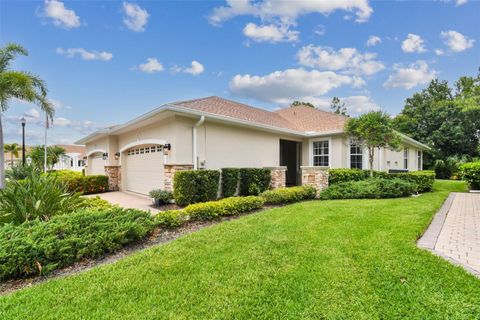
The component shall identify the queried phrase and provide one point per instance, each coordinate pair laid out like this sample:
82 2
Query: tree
13 149
20 85
297 103
338 107
373 130
37 154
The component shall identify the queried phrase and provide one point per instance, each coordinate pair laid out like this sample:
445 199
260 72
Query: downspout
194 141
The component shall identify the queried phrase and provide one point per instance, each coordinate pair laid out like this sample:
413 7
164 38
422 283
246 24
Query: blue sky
106 62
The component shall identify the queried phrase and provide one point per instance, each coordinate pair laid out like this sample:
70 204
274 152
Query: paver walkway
455 231
128 200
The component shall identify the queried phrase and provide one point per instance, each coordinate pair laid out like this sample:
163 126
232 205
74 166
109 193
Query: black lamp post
23 140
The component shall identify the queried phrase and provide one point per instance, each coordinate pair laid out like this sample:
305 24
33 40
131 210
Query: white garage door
97 164
144 169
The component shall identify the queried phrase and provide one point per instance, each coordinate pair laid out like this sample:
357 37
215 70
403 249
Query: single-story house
215 133
72 159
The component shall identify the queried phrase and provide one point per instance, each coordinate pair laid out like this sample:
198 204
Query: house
72 159
213 133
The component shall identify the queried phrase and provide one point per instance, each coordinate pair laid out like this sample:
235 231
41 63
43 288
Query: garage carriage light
166 148
117 155
105 156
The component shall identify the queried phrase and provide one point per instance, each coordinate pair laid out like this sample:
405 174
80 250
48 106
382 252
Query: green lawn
320 259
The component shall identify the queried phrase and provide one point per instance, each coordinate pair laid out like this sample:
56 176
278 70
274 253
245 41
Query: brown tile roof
71 148
298 118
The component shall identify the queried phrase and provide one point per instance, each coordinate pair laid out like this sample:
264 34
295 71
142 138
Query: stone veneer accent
278 177
315 176
114 177
170 170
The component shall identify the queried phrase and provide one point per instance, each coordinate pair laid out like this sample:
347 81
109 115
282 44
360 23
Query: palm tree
20 85
13 148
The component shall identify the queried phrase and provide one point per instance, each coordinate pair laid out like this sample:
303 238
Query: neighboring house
214 133
8 159
73 158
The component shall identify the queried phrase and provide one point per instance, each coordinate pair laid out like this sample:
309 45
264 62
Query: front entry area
144 169
290 157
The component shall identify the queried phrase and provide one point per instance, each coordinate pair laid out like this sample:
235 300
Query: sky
106 62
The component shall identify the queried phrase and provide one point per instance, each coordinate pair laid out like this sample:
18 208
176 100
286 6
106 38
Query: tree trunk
371 153
2 156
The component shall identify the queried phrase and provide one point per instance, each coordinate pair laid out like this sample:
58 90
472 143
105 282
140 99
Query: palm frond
8 53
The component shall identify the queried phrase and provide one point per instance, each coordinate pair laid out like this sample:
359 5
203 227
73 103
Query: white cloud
460 2
413 43
291 84
135 18
348 60
456 41
355 104
151 66
270 33
57 104
61 16
32 114
415 74
288 11
373 41
320 30
195 68
439 52
62 122
85 54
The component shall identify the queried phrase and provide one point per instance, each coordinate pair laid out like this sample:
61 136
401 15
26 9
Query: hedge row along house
297 143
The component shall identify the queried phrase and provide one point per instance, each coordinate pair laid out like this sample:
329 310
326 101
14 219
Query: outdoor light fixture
166 148
117 155
105 156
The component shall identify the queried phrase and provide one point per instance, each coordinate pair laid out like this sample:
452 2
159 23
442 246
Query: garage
144 169
97 164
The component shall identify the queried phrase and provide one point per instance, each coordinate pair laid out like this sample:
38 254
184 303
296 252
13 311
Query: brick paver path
455 231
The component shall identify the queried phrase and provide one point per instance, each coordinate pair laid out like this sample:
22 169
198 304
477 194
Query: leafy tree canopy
297 103
37 154
338 107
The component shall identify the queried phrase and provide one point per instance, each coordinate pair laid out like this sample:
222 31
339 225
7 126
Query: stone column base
278 177
316 177
169 170
114 177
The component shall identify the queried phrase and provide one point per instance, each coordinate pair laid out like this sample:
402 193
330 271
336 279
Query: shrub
444 169
230 180
39 247
96 203
374 188
470 172
192 186
223 207
422 179
20 172
171 218
76 182
161 196
254 181
287 195
343 175
37 197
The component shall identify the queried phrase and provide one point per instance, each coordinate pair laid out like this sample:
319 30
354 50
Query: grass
339 259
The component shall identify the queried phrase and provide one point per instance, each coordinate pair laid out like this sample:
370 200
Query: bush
171 218
39 247
37 197
470 172
192 186
224 207
97 203
375 188
76 182
254 181
161 196
288 195
344 175
422 179
230 179
20 172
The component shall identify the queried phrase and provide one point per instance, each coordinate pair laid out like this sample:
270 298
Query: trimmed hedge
76 182
230 179
39 247
193 186
254 181
344 175
97 203
288 195
422 179
224 207
171 219
470 172
375 188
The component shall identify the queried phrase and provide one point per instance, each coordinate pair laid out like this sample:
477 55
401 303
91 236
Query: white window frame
329 155
349 162
406 153
419 160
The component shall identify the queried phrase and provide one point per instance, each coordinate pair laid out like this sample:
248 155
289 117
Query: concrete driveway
128 200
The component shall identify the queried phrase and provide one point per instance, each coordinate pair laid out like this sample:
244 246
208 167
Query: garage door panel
144 170
97 165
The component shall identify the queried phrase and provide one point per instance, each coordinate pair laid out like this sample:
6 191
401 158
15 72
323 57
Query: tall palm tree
13 149
20 85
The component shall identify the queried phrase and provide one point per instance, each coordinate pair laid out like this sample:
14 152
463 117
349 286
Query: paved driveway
455 231
128 200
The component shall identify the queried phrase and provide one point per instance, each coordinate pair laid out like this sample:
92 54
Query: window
320 153
405 158
356 156
419 160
